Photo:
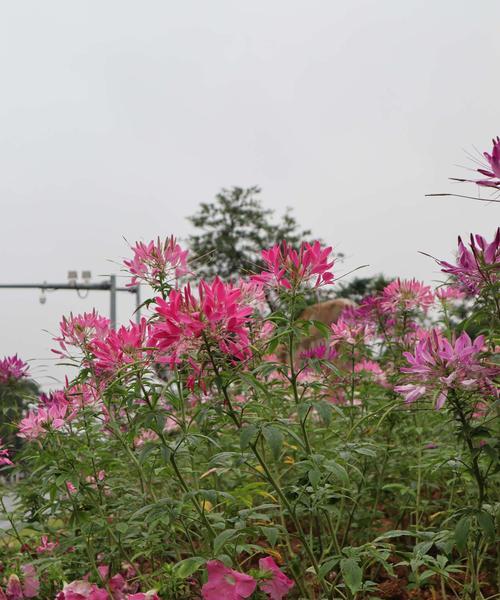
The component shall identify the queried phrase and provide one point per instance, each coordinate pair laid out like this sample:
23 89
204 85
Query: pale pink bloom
82 590
46 546
71 488
157 262
151 595
120 348
31 583
12 369
373 368
36 423
350 332
278 586
144 437
406 295
477 266
77 331
285 267
226 584
446 293
4 455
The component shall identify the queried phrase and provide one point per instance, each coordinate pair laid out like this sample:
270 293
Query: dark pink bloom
46 546
285 267
157 262
477 265
278 586
77 331
449 292
12 368
492 171
14 590
82 590
119 349
4 455
440 365
406 295
219 313
226 584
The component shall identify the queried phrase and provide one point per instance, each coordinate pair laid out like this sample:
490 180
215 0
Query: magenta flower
45 546
14 589
4 455
218 314
447 293
406 295
53 411
440 365
77 331
478 266
157 262
278 586
285 267
351 332
371 368
82 590
226 584
31 583
120 349
12 369
492 171
151 595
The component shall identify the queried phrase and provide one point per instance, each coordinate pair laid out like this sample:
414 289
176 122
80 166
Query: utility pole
103 286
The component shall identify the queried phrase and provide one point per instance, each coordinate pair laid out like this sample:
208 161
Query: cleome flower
157 262
4 455
77 331
406 295
12 369
476 266
219 312
439 365
289 268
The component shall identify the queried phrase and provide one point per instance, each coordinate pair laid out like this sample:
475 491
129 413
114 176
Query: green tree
361 287
233 229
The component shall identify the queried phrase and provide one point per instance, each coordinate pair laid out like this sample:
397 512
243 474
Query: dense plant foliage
186 460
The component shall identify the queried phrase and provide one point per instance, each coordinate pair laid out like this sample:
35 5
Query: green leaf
352 574
325 411
222 538
314 477
338 470
271 534
485 521
188 566
462 533
274 437
246 435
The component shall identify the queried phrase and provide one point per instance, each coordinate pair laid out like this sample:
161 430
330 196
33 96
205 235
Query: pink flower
449 292
285 267
82 590
4 455
278 586
120 349
71 488
157 262
12 369
46 546
476 267
492 171
442 365
14 590
406 295
219 314
77 331
373 368
226 584
350 332
31 583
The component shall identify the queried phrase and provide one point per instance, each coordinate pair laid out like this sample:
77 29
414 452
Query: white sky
117 118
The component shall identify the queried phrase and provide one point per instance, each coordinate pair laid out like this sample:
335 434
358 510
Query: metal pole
112 300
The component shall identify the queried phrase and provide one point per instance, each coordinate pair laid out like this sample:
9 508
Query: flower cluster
478 265
77 331
219 314
492 172
406 295
439 365
289 268
17 590
54 411
157 262
227 583
12 368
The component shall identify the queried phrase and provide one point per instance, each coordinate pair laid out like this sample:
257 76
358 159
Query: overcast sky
118 117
